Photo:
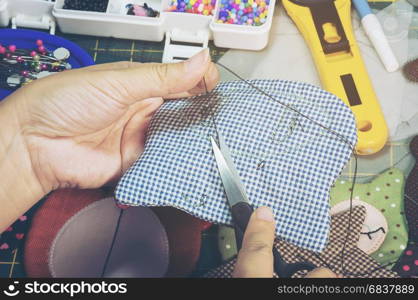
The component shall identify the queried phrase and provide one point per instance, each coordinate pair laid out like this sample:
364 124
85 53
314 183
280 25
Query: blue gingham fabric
284 160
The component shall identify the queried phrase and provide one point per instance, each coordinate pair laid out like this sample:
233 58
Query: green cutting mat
104 50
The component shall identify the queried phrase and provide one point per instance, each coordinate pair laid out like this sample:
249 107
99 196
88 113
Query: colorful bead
243 12
201 7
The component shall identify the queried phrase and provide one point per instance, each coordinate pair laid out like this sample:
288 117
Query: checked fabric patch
357 264
284 160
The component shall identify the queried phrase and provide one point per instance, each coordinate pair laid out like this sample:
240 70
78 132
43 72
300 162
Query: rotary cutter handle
241 213
326 28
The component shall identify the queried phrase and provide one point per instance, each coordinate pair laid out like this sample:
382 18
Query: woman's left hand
83 128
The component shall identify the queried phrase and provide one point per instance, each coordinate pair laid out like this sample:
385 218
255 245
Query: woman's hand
83 128
255 259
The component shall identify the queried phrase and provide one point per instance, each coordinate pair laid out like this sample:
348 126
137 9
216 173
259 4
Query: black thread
354 177
370 233
106 263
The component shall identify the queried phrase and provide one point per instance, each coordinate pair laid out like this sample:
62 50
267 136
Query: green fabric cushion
385 192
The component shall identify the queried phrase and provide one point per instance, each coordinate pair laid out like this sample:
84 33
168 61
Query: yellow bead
237 1
251 2
262 4
205 12
257 19
192 2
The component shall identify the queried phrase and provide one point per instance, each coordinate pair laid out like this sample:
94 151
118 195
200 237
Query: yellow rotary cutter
326 27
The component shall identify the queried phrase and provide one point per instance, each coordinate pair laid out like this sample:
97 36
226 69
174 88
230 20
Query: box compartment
112 23
180 28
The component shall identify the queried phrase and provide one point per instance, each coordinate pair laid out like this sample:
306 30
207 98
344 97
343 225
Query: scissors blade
234 189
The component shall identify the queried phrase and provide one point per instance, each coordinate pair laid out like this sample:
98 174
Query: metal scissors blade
234 188
241 209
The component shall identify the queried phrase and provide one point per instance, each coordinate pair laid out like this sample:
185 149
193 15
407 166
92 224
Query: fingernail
265 213
197 60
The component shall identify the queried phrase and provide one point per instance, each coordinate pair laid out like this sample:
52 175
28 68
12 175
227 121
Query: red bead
33 53
39 42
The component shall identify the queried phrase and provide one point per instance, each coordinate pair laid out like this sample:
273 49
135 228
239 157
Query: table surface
104 50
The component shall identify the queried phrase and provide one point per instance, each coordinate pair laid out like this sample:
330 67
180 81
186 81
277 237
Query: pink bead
25 73
19 59
2 50
44 67
8 55
33 53
39 42
406 268
41 49
416 262
12 48
409 252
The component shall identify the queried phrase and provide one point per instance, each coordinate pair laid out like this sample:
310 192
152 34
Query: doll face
374 228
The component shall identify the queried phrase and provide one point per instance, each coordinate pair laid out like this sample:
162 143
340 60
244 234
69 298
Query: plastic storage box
185 33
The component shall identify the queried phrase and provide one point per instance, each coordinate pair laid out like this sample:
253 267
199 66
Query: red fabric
184 236
48 220
183 231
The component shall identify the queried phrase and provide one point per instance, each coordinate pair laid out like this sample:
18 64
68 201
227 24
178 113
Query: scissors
241 209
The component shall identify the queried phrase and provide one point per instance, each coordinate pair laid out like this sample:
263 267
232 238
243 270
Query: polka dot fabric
385 193
284 160
13 236
411 195
357 264
407 265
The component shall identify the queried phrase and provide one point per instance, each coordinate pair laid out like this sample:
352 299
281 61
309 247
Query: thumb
142 81
255 258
